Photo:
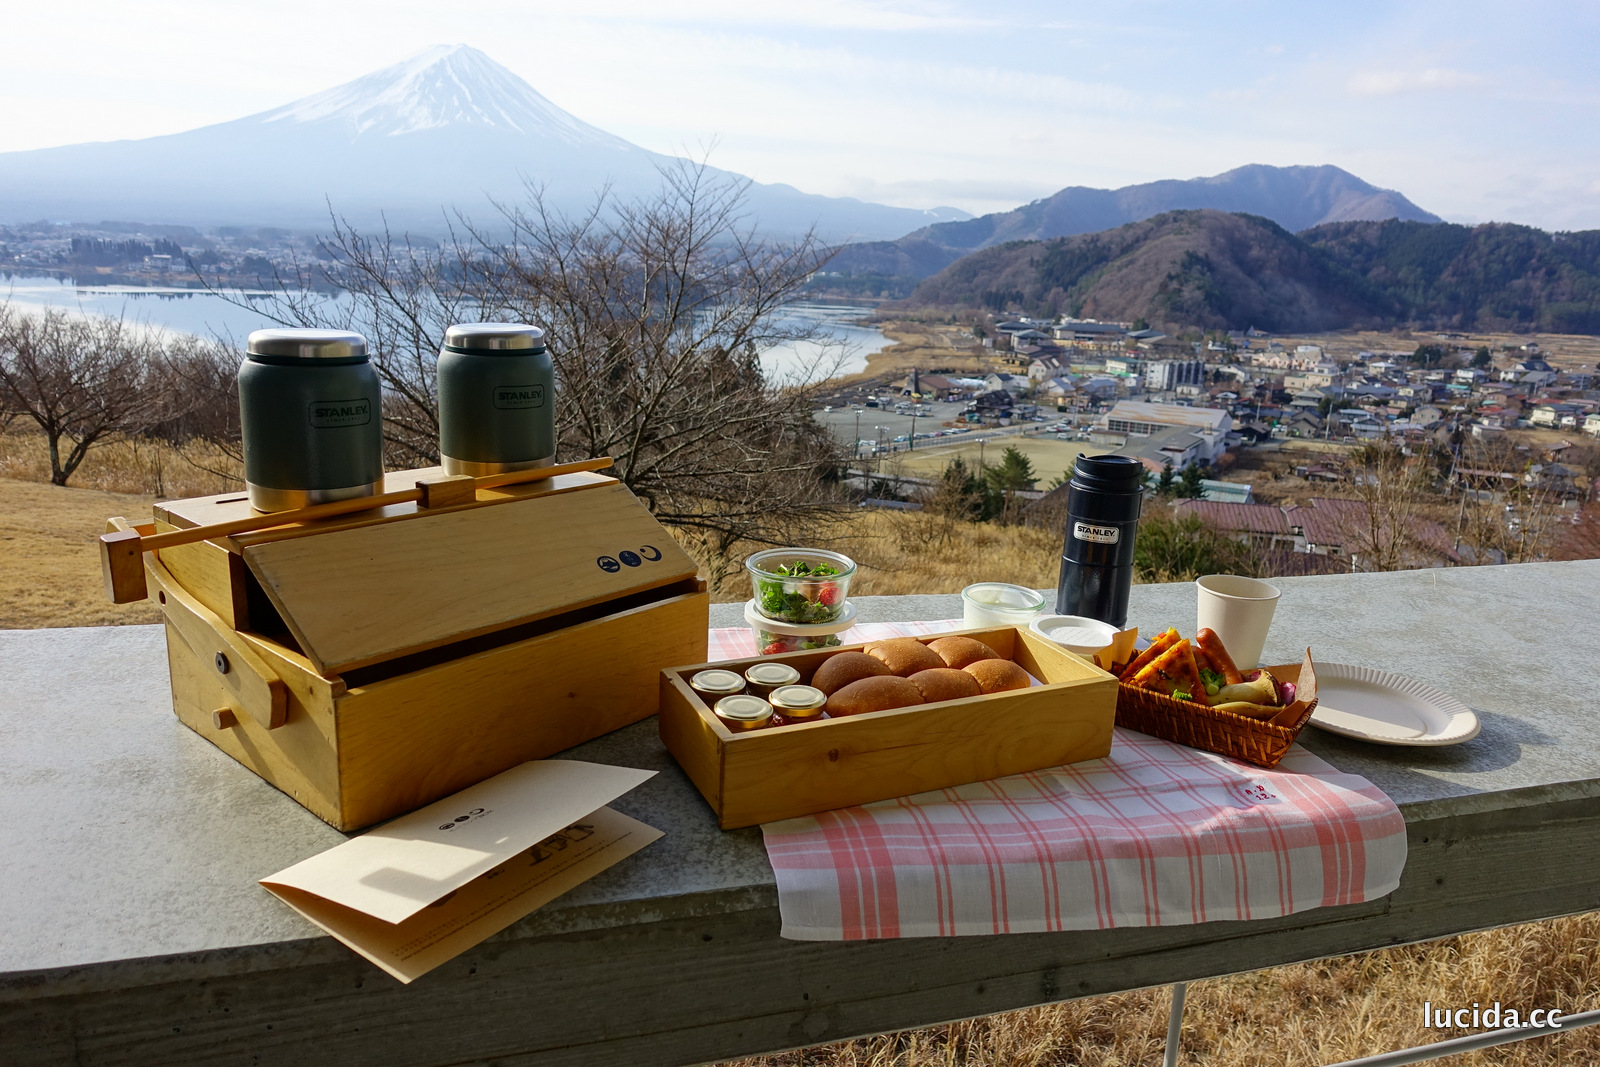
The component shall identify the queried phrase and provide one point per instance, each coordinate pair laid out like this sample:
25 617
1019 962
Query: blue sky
1474 111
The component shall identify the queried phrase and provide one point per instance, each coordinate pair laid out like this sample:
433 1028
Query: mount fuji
447 129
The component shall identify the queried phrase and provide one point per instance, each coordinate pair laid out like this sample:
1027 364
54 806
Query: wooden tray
778 773
1263 742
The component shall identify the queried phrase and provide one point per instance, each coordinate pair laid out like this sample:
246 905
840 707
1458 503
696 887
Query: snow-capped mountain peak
447 129
447 85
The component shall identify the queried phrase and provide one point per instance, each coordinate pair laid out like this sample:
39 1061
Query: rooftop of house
1170 414
1326 522
1254 518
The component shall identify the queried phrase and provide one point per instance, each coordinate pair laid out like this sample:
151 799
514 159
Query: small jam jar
763 678
798 703
715 684
744 712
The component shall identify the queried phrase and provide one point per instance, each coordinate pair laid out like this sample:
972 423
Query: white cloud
1392 82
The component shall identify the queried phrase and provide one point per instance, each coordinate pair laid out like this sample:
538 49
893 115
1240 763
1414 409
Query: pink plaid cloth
1155 834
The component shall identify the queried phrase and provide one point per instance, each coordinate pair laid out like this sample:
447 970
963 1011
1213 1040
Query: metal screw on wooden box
309 419
496 395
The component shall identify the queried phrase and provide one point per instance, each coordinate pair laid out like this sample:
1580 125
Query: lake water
846 348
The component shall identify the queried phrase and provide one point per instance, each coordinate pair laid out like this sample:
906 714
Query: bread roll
945 683
874 694
905 655
958 652
842 668
999 675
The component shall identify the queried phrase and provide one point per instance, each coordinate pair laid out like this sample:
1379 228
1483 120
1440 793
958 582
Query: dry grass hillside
51 573
1303 1015
925 345
1308 1013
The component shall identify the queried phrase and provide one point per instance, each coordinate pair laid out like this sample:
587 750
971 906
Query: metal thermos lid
1108 474
308 344
494 338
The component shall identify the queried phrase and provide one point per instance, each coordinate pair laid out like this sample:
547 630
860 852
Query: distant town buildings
1165 435
1168 374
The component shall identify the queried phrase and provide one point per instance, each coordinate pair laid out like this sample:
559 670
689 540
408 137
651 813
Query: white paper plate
1389 709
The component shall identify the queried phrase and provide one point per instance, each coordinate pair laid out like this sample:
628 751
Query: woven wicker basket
1262 742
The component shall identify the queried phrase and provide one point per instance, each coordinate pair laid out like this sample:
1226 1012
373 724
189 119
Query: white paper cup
1240 611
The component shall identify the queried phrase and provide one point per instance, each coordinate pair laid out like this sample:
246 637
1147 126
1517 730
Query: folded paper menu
426 887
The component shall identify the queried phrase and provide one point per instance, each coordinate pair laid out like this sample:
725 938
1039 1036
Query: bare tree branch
82 380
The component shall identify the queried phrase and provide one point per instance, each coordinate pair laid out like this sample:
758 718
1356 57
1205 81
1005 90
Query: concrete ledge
134 933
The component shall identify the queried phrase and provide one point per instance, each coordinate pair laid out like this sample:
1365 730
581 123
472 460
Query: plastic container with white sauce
1075 633
1000 604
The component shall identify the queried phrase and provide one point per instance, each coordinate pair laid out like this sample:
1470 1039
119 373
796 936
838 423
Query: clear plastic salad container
774 637
804 586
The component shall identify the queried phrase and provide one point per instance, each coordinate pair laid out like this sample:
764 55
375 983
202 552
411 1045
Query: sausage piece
1211 645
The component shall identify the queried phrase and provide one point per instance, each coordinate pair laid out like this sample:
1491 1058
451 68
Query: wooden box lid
358 592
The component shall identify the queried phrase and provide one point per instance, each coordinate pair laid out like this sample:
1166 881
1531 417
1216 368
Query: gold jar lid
716 682
798 701
744 712
771 675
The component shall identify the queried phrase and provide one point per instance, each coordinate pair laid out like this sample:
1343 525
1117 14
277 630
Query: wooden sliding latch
122 548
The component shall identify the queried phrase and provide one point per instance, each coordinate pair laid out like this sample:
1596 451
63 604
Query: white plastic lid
846 619
1076 633
1002 596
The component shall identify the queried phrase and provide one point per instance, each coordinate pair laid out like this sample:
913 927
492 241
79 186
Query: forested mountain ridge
1494 275
1216 270
1296 198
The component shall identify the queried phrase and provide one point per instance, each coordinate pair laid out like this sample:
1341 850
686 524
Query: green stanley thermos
310 418
496 399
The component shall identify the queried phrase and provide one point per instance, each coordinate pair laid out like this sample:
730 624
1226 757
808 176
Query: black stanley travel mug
1097 554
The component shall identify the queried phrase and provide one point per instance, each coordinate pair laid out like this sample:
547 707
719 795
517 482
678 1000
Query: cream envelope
428 886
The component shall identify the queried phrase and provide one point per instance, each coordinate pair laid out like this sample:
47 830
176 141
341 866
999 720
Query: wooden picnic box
374 662
756 776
